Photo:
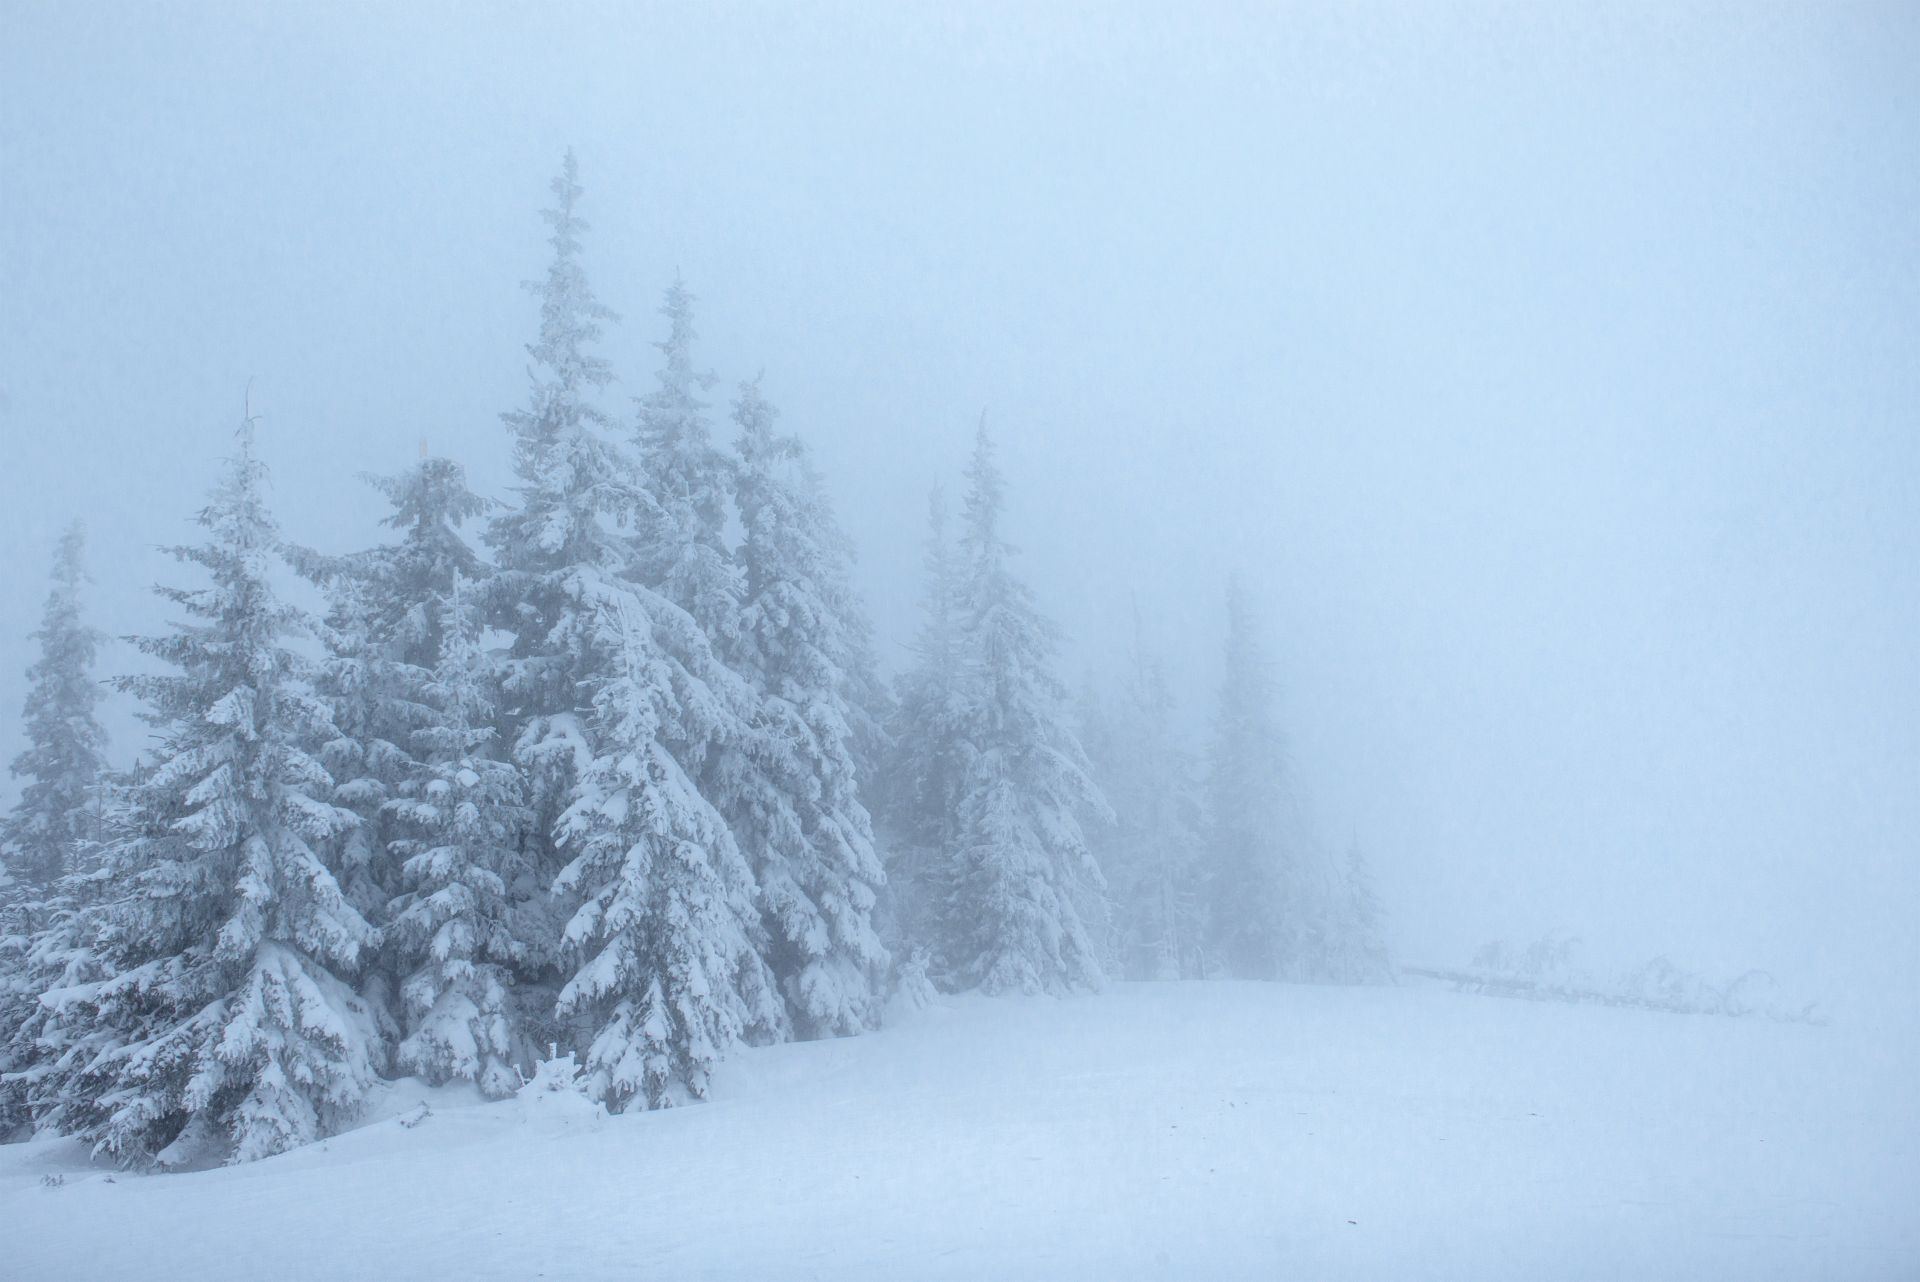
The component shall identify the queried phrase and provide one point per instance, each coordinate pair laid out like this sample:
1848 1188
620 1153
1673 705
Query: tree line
610 767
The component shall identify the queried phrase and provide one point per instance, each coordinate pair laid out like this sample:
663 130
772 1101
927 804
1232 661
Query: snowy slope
1159 1131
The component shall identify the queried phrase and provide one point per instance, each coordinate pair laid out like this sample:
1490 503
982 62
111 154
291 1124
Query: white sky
1550 370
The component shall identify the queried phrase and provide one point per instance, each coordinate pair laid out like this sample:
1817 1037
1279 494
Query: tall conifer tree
457 938
683 524
54 829
615 700
383 632
1354 949
57 814
1150 854
1008 917
918 790
223 1022
1256 913
796 807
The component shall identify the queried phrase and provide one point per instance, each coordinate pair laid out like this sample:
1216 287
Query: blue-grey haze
1552 372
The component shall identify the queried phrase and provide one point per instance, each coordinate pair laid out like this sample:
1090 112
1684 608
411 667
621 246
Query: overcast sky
1551 372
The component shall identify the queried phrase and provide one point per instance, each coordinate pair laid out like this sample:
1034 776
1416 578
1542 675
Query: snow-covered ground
1158 1131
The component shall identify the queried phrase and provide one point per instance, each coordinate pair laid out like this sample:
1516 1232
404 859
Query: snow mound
556 1097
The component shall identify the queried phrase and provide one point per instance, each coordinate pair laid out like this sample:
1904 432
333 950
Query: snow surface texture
1226 1130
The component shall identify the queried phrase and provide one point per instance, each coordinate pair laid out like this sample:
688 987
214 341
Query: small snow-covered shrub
1547 964
1545 970
912 988
558 1093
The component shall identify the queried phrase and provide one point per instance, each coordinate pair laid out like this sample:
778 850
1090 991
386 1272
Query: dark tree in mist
918 788
1007 917
56 816
1250 863
1150 854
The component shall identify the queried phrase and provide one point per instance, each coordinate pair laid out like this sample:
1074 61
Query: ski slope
1157 1131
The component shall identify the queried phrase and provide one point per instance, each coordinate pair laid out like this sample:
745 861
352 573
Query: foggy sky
1548 371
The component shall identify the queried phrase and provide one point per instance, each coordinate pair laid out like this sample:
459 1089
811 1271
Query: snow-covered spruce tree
1150 854
1352 949
1256 917
1102 911
680 551
918 789
383 636
796 810
670 976
223 1023
1008 923
57 814
864 692
53 832
51 847
19 1004
452 936
556 549
866 698
682 543
614 700
50 956
868 702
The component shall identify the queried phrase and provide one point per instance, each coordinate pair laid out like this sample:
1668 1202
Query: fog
1548 372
